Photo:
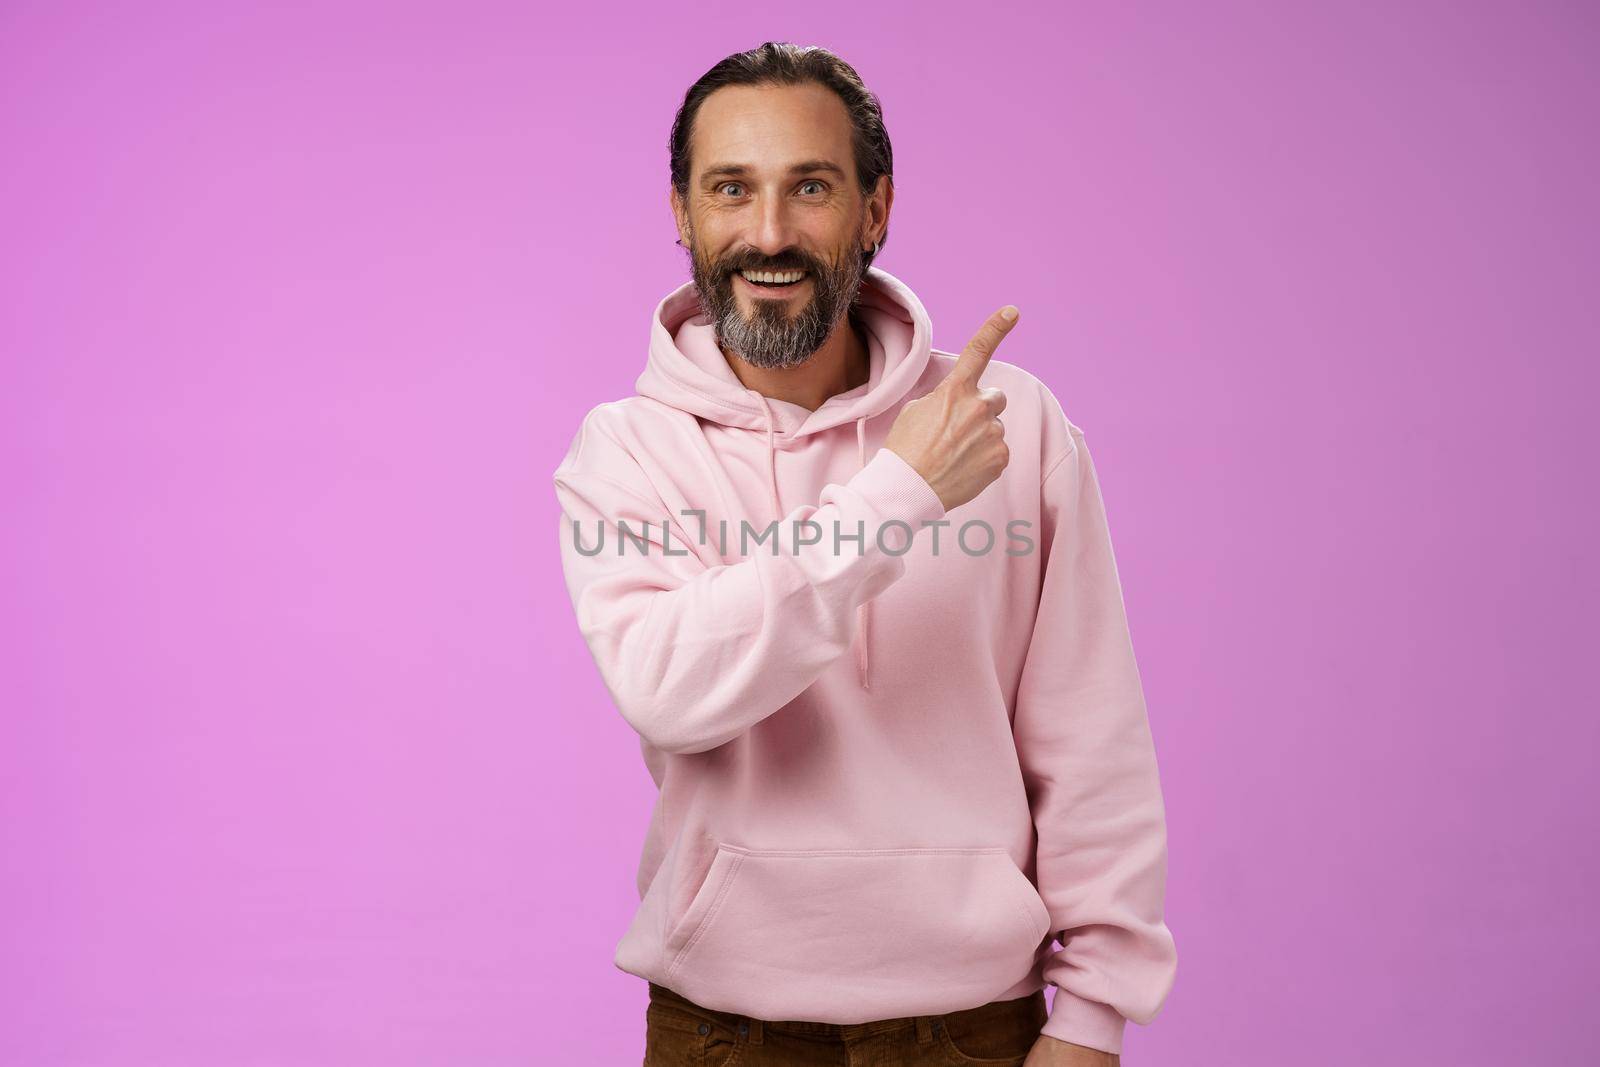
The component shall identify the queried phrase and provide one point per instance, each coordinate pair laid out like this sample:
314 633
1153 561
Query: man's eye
731 185
817 184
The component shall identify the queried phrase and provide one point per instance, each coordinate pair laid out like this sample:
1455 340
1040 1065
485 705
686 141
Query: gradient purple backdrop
303 760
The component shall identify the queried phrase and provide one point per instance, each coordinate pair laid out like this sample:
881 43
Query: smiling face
774 220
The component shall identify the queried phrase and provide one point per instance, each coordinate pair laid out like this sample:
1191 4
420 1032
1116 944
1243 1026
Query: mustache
791 263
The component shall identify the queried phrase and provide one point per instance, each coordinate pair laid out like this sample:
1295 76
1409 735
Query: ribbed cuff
1085 1022
895 490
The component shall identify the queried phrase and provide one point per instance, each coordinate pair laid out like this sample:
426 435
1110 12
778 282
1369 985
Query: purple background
303 759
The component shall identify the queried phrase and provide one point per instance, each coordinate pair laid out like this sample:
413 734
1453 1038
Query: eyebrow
739 170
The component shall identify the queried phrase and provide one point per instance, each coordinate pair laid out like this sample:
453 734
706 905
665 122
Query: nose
772 228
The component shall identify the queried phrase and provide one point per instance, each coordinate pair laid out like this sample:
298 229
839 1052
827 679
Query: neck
841 364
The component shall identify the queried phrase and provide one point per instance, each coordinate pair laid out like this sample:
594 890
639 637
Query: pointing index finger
975 357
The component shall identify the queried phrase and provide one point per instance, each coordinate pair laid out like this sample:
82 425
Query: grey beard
770 339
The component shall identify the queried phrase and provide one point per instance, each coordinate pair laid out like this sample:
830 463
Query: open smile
773 283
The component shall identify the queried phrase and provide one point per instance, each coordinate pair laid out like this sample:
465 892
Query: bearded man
901 742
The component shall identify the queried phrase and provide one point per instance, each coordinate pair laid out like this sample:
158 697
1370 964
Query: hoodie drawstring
772 463
864 612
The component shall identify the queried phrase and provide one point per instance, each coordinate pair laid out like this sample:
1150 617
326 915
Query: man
870 633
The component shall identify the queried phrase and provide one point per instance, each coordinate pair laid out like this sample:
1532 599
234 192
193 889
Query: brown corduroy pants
680 1033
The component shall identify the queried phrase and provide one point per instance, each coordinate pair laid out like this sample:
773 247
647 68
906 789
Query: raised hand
952 435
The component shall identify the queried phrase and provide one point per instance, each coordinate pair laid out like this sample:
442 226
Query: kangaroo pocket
855 935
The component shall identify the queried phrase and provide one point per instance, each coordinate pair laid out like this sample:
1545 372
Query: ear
877 209
680 214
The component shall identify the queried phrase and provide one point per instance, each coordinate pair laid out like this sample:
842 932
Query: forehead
770 127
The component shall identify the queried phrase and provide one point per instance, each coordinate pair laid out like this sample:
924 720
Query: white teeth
784 277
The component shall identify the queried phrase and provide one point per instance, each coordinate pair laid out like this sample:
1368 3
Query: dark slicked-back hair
780 63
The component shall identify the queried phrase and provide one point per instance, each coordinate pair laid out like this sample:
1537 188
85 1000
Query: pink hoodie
908 829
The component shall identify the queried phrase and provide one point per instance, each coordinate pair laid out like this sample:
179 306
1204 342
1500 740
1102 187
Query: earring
875 246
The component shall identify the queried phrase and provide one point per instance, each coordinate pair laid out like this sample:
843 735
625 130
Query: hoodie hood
687 370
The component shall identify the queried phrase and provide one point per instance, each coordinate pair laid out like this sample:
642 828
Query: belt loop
752 1029
924 1029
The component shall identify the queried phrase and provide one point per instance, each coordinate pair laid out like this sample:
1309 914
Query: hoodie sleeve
695 654
1089 762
